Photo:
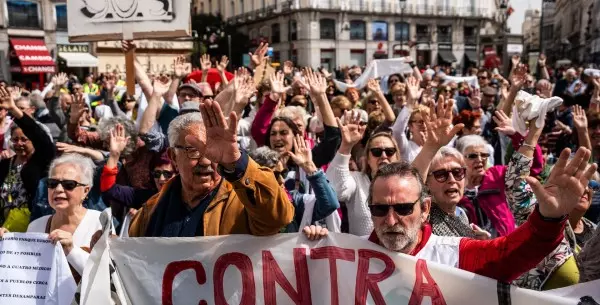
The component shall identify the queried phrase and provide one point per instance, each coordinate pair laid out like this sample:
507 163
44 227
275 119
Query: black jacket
36 167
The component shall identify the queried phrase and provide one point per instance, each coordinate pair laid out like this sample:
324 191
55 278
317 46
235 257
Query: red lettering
175 268
333 254
272 273
367 282
244 265
429 289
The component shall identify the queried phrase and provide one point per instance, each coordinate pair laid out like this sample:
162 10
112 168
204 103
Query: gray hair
265 156
451 152
23 98
106 125
181 123
85 166
37 101
292 112
400 169
469 141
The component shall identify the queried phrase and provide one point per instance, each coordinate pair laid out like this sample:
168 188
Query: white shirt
81 237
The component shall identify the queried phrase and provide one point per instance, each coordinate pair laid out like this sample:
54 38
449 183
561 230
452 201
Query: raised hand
77 109
316 82
222 66
60 80
179 63
373 86
277 87
519 76
504 123
542 61
545 89
475 99
221 137
288 67
205 62
427 97
567 183
258 57
516 60
244 89
439 124
413 90
6 99
117 140
352 131
67 148
127 45
15 92
302 155
579 118
110 84
161 85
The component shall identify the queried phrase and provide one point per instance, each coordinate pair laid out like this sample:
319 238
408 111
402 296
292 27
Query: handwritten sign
33 271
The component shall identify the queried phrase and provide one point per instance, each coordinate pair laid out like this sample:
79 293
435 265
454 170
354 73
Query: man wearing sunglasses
219 190
400 207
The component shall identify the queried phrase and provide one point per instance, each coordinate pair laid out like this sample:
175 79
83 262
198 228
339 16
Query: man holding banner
198 201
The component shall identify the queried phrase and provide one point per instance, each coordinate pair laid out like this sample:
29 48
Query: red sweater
504 258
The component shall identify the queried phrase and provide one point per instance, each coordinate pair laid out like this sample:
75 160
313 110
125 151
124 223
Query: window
357 58
423 33
275 33
444 34
380 30
402 31
23 14
470 35
327 28
61 17
357 30
292 30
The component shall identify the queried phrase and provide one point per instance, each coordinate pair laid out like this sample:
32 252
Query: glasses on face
373 102
281 174
68 185
191 152
401 209
442 175
482 77
473 156
159 173
377 152
19 140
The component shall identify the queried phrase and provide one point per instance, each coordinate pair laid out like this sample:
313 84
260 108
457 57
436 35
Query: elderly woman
353 187
72 225
20 174
309 208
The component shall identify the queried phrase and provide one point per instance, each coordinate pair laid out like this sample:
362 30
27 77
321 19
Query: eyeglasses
442 175
159 173
281 174
68 185
482 77
377 152
473 156
191 152
401 209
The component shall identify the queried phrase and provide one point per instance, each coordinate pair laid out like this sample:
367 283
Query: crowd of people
487 173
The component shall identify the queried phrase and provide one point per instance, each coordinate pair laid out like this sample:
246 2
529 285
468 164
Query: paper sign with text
288 269
33 271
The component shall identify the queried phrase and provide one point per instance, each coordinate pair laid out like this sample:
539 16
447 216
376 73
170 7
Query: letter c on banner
244 264
367 282
175 268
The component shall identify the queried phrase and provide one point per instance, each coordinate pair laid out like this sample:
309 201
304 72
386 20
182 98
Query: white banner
288 269
377 69
33 271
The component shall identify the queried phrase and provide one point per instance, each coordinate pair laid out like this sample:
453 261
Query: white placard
127 19
33 271
514 48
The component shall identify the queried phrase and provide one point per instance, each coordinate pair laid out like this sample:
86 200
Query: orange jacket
231 211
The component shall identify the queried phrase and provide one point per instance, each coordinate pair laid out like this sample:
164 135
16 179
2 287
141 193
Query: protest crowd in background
490 173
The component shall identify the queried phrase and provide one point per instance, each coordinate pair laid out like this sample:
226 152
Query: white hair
85 166
469 141
451 152
292 113
181 123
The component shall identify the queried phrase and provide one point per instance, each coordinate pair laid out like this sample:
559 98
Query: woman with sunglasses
353 187
127 196
20 174
72 225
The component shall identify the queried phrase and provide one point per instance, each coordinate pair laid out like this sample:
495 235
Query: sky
516 19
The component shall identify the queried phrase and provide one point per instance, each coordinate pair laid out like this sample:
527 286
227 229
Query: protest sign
377 69
288 269
33 271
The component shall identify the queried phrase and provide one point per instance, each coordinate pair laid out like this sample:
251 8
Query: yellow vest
94 89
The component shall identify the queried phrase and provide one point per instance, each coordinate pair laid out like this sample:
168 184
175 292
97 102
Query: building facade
531 30
574 31
331 33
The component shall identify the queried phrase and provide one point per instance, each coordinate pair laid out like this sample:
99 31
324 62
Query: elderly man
219 189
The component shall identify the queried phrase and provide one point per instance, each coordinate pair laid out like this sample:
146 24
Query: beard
397 238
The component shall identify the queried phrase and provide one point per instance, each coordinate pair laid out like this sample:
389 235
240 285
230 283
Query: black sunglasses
377 152
402 209
473 156
442 175
158 173
283 174
68 185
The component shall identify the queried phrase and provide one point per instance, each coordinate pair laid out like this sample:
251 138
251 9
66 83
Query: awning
79 59
446 56
471 56
33 56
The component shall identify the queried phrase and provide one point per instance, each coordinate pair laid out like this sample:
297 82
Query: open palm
566 184
439 124
221 137
352 132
